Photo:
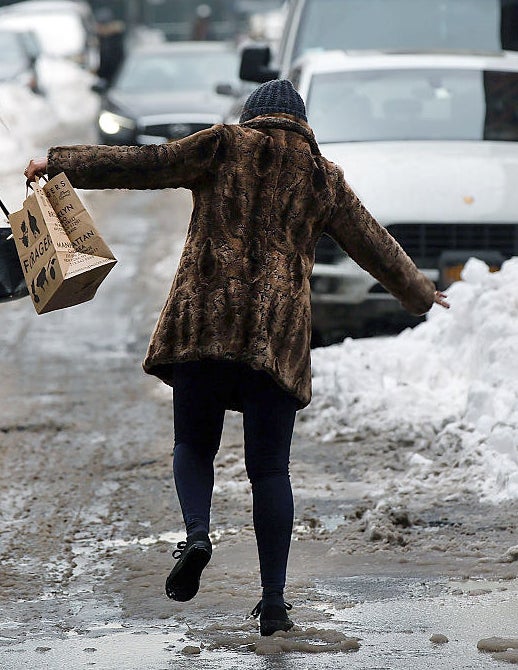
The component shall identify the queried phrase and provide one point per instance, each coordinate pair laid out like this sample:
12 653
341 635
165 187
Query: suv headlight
111 123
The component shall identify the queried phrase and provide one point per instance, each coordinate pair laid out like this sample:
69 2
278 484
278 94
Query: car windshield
177 71
408 104
408 25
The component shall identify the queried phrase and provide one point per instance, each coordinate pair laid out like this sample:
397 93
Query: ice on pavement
450 385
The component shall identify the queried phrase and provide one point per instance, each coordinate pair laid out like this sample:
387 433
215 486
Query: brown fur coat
262 196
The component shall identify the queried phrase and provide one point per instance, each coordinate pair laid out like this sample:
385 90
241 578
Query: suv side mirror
255 61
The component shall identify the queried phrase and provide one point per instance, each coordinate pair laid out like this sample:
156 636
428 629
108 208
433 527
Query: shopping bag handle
4 209
28 183
6 212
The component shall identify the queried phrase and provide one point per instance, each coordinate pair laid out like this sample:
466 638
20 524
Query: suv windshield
408 25
408 104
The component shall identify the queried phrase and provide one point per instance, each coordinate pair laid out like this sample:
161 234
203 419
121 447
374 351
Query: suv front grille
424 242
328 251
164 129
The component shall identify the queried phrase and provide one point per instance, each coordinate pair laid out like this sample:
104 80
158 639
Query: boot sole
184 579
271 626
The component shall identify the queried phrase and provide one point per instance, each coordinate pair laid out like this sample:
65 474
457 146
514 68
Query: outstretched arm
152 166
376 251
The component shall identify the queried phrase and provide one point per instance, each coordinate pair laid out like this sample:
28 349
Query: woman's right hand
36 169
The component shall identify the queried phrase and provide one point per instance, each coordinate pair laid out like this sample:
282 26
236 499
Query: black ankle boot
193 555
272 617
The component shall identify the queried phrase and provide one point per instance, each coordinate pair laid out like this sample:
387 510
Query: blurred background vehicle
218 20
64 28
19 52
169 90
408 25
429 142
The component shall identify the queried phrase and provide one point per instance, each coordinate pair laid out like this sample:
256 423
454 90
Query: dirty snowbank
449 385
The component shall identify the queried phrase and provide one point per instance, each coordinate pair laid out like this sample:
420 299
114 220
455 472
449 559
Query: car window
177 71
408 104
11 49
423 25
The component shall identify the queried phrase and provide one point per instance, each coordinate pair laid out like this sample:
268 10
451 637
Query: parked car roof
65 28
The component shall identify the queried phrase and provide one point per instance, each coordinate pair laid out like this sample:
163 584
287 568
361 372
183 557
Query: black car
167 91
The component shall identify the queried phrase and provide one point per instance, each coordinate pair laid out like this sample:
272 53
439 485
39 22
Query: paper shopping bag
62 255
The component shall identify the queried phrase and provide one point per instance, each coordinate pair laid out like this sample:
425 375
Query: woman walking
235 330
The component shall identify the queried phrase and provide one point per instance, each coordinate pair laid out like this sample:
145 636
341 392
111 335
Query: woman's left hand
440 298
36 169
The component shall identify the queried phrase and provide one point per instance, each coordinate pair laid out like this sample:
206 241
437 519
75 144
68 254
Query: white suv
430 145
404 25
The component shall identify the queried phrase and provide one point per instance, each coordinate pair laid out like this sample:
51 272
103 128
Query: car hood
432 181
151 104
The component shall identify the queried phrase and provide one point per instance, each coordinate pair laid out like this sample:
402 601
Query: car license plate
451 267
451 273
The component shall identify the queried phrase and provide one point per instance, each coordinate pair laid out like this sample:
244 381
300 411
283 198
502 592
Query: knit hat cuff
274 97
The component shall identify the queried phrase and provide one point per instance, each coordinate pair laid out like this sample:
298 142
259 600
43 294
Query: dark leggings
202 390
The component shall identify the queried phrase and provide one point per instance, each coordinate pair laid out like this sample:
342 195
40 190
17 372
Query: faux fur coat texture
262 197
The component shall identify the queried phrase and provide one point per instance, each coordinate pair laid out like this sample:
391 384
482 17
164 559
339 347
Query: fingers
37 168
440 299
30 172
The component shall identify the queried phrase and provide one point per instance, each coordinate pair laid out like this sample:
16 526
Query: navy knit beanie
276 96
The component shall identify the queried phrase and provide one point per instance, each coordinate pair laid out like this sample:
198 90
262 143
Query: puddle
170 538
394 620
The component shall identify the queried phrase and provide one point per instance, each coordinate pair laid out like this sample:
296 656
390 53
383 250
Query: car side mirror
225 89
255 64
100 86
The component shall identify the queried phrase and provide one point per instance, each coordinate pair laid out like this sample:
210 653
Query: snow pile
450 386
68 91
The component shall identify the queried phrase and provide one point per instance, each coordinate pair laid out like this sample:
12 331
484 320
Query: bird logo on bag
35 296
33 224
42 278
25 234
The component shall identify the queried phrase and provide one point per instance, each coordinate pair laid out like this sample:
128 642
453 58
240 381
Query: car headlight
111 123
